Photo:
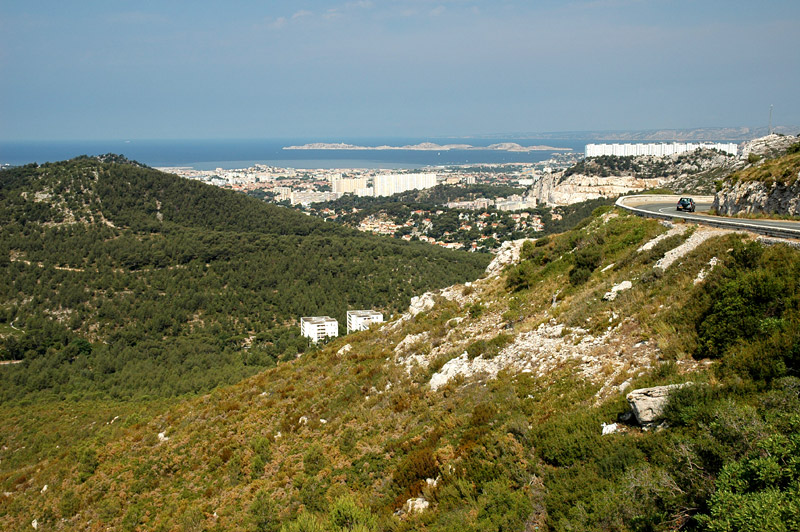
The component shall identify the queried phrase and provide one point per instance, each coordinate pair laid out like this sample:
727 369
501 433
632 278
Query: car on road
686 204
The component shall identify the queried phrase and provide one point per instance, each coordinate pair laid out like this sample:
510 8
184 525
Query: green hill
485 410
129 282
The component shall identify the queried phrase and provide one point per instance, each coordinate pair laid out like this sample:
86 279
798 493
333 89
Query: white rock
612 295
432 482
674 230
162 436
416 505
35 524
648 403
421 303
323 421
44 489
703 273
698 237
457 366
609 428
303 420
346 348
508 253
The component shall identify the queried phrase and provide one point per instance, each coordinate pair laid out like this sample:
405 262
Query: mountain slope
526 365
126 281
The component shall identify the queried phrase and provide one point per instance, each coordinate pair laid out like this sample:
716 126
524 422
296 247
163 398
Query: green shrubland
340 440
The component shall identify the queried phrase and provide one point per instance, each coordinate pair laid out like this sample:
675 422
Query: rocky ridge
770 184
610 358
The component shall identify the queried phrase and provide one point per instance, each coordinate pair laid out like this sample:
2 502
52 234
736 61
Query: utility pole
769 131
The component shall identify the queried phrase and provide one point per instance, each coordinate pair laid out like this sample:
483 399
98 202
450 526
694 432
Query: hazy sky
117 69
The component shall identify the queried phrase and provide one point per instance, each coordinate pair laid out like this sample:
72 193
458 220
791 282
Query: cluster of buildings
656 149
318 327
514 202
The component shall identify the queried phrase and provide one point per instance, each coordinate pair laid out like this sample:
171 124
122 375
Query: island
426 146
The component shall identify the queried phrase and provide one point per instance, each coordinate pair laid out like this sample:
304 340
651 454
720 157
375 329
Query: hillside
122 281
479 409
769 184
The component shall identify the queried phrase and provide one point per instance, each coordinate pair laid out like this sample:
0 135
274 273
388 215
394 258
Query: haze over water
210 154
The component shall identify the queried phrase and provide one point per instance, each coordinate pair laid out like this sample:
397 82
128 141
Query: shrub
314 460
488 349
69 505
345 514
476 310
587 260
412 471
578 276
528 247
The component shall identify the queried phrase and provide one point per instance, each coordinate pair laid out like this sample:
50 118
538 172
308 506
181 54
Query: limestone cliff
554 189
756 197
770 184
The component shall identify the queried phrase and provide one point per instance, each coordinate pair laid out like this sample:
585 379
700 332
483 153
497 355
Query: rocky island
425 146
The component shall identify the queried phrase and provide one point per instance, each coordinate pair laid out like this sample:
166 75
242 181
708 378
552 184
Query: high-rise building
348 185
358 320
388 184
656 149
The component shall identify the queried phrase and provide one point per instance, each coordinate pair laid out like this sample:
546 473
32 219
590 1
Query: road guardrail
631 203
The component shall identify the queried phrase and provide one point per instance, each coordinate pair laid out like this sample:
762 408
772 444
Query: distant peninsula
426 146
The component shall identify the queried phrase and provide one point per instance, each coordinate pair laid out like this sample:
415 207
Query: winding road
663 206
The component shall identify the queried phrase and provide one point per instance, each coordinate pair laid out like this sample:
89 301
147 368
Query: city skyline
409 68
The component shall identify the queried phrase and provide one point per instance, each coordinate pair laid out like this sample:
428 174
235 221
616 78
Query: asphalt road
669 208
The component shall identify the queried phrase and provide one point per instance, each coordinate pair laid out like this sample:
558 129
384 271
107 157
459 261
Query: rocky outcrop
421 303
769 146
693 242
507 254
552 189
755 197
648 403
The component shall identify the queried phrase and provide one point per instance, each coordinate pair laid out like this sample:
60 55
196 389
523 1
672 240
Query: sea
231 154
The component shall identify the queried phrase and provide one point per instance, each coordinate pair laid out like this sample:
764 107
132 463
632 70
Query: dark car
686 204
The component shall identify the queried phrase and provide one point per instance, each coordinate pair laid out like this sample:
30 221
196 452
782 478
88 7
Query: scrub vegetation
341 439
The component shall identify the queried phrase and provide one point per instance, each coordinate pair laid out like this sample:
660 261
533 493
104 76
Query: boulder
612 295
416 505
648 403
344 350
609 428
421 303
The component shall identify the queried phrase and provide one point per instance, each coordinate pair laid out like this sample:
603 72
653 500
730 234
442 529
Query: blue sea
228 154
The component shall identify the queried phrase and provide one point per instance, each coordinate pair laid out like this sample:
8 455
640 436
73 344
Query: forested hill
124 280
140 199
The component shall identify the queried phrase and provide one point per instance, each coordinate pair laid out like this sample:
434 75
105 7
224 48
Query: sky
119 69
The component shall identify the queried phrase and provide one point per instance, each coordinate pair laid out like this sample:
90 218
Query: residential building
358 320
656 149
344 185
318 327
389 184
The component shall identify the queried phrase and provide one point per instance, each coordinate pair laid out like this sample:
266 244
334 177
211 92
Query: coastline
425 146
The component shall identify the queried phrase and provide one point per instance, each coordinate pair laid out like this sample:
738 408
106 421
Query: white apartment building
359 320
345 185
656 149
386 185
319 327
307 197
